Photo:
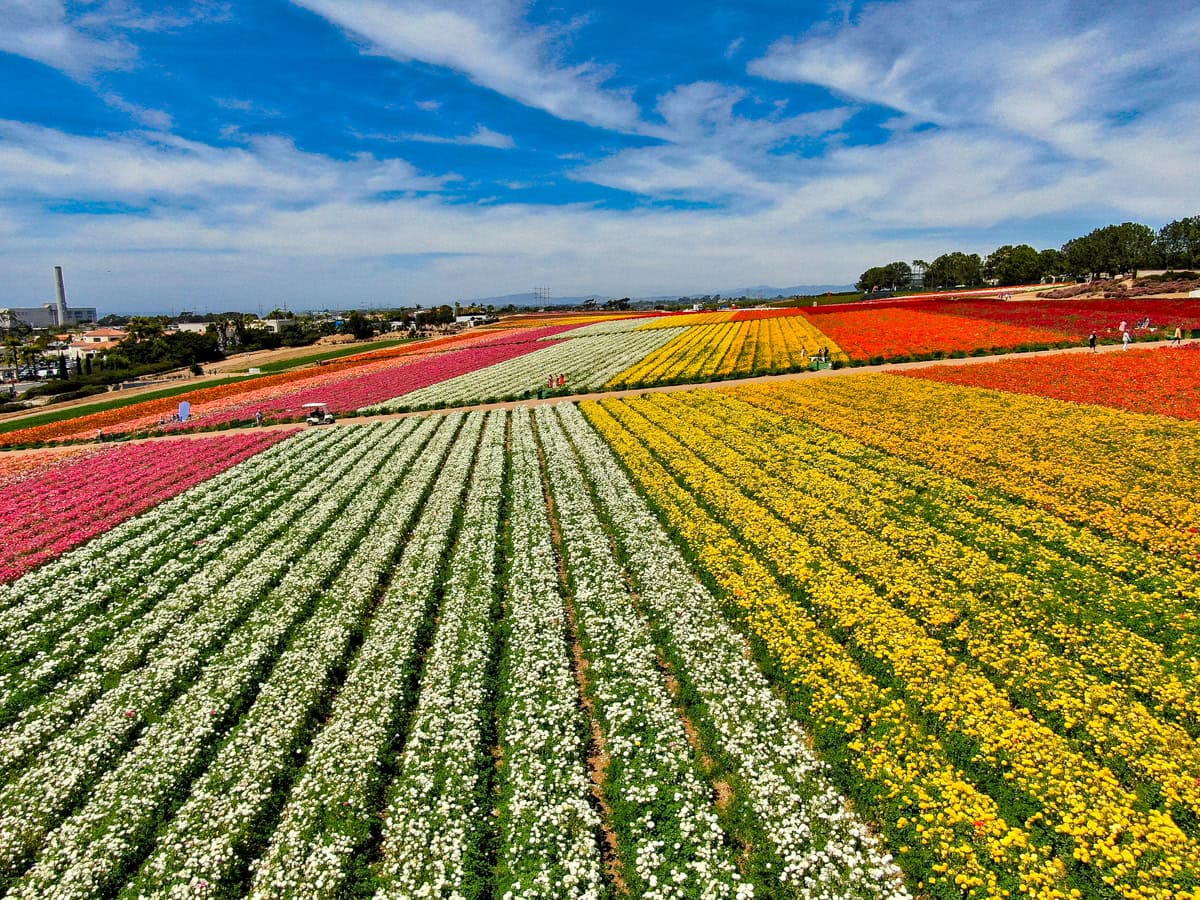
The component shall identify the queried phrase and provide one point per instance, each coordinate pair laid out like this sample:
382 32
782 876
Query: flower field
731 349
1165 381
1079 318
586 362
344 384
888 331
70 500
865 636
1012 696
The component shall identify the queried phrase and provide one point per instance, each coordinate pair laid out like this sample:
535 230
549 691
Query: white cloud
489 42
429 105
157 168
482 136
1054 71
151 118
90 37
41 30
714 154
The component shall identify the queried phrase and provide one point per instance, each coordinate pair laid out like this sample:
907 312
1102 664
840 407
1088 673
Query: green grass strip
73 412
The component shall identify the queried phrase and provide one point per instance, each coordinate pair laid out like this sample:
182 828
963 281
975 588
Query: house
98 340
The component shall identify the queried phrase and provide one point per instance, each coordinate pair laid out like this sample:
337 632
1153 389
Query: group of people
553 381
1127 338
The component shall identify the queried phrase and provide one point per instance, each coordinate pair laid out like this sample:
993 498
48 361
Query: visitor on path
1121 328
1125 339
1177 336
1092 341
562 380
550 380
258 418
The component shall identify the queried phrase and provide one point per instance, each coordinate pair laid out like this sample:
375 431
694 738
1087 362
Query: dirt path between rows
670 388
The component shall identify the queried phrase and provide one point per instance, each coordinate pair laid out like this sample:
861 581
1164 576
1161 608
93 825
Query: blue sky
337 153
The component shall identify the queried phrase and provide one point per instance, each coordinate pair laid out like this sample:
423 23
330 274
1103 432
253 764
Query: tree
894 276
1178 243
954 270
1009 265
1051 264
144 328
1113 249
359 325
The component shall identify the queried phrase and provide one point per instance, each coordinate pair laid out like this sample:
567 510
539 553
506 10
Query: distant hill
760 291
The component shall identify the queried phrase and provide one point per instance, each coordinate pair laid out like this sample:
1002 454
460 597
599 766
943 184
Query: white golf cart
318 414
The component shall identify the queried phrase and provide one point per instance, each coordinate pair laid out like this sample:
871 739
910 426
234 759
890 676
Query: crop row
1121 479
411 646
1159 381
195 681
731 349
62 507
849 587
586 362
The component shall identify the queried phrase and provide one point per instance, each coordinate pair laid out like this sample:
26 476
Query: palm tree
144 328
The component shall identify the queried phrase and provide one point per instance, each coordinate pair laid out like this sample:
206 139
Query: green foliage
1113 249
1178 243
358 325
1009 265
954 270
894 276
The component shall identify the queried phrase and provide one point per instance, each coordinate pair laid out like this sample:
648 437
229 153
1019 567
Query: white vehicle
318 414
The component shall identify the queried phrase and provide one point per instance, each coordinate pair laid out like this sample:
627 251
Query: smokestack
60 301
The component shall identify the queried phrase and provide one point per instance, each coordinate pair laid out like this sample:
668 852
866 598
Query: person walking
1125 339
1177 336
258 418
1092 341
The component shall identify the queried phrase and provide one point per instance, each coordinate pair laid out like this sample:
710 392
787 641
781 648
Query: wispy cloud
429 105
43 31
482 136
81 39
714 154
492 44
155 167
1050 70
151 118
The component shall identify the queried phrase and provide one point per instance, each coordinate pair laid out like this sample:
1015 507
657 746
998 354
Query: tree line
1111 250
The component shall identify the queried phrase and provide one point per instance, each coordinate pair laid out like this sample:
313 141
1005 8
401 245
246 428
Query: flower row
435 807
941 583
1165 381
732 349
67 504
547 846
210 658
1033 760
585 363
809 845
